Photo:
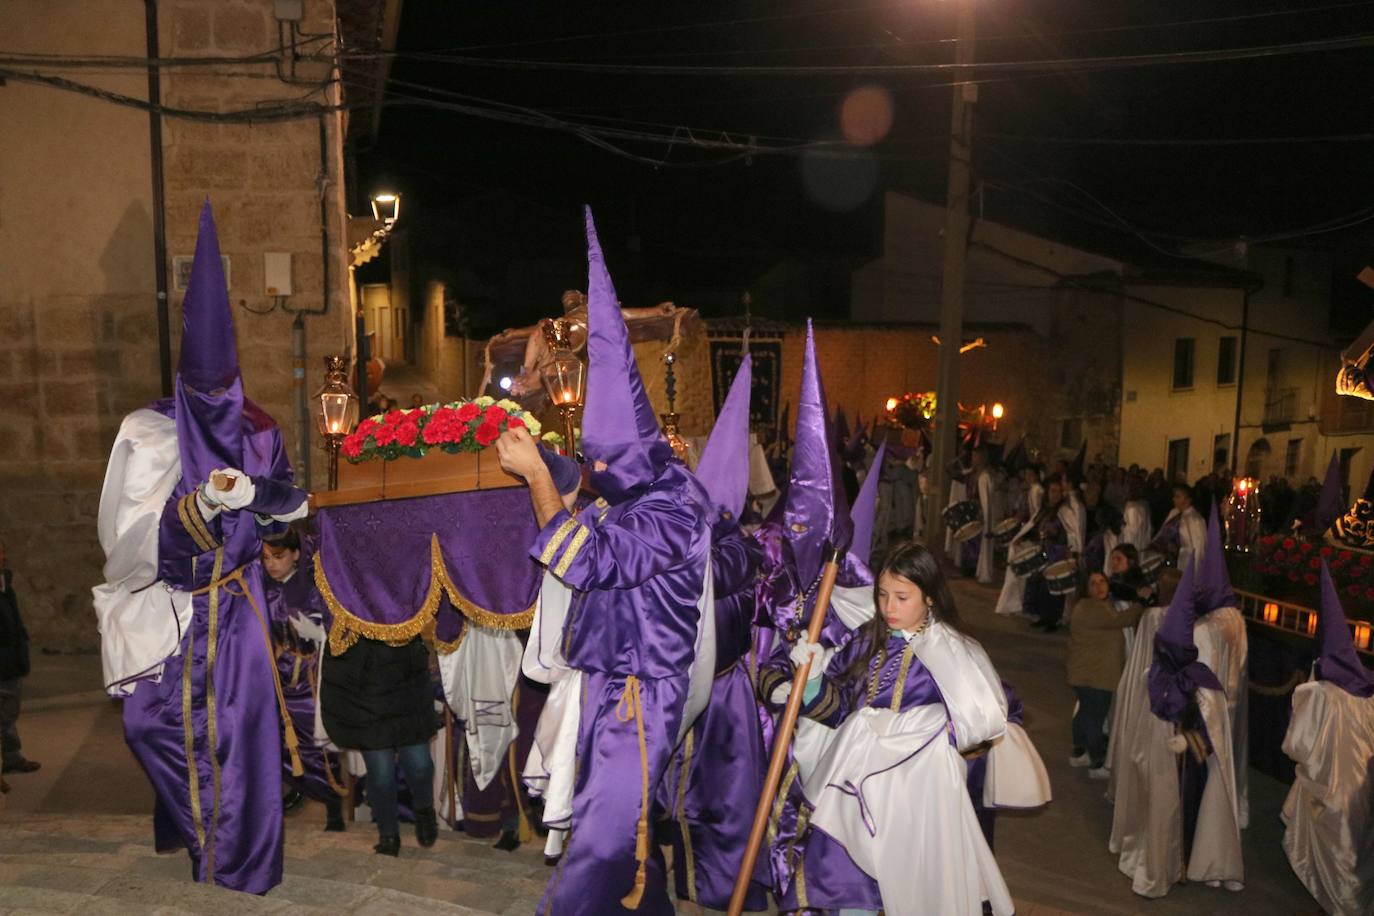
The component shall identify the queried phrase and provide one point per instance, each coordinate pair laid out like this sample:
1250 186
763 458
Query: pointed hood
618 424
841 426
853 447
1017 460
1331 503
866 509
1337 660
209 389
1076 466
1177 626
1213 581
724 466
814 514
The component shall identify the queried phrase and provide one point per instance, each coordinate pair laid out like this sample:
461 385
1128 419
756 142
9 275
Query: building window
1221 451
1071 433
1178 460
1183 362
1226 361
1290 460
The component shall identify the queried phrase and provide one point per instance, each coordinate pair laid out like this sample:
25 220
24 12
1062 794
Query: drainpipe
164 323
1250 290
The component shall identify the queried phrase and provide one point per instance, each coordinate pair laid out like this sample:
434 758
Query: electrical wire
1065 64
1176 141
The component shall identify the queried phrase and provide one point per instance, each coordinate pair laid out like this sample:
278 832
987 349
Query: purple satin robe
297 669
717 773
225 806
637 568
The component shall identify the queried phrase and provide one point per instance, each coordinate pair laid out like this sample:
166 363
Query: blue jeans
381 783
1093 705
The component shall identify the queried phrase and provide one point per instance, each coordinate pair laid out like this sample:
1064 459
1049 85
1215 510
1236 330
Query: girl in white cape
887 821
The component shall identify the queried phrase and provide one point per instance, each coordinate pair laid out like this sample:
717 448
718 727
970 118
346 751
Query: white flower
552 438
532 425
484 401
510 406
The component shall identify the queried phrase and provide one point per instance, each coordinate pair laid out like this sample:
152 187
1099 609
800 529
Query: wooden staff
783 738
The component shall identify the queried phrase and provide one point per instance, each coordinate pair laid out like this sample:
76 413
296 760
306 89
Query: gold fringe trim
478 614
346 628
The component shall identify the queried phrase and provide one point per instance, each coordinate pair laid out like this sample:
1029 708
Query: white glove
781 693
239 495
803 651
306 628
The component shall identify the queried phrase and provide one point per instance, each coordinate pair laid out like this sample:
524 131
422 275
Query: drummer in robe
184 638
298 631
1055 527
636 565
1012 600
990 511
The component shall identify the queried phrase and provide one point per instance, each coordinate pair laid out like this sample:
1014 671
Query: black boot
509 841
389 845
426 826
291 801
333 816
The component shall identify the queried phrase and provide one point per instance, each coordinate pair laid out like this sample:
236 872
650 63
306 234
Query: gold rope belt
212 589
631 707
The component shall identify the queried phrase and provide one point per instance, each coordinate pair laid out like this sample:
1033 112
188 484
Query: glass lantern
338 411
564 377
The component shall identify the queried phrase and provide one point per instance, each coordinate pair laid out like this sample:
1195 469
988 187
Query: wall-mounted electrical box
276 272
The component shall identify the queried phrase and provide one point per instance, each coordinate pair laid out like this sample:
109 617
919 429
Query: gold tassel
631 707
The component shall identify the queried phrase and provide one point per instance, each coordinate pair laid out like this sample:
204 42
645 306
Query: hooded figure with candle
184 633
633 570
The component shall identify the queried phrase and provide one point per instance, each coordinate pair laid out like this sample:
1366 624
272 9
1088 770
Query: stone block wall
78 312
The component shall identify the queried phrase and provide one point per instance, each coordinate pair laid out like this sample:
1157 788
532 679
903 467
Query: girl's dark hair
913 562
1131 554
289 539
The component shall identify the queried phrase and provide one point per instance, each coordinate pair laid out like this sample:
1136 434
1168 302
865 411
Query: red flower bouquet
462 426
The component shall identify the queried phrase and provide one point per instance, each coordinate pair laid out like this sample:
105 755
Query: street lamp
564 377
338 411
386 208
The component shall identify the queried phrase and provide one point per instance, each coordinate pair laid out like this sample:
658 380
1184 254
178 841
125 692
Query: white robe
1192 536
989 503
1013 596
1147 818
479 681
140 619
1330 835
1135 524
891 788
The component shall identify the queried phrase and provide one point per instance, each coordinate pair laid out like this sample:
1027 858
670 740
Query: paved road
1056 857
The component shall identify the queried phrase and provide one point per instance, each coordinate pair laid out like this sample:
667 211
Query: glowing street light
386 208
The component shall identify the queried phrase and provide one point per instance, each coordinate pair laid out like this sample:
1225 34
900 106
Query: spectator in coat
14 667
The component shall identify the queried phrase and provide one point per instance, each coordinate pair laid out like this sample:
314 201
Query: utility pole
952 286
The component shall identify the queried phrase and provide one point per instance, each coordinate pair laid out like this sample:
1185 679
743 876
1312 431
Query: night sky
487 199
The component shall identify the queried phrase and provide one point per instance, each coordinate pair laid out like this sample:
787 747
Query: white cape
891 788
1147 818
140 619
1330 835
479 682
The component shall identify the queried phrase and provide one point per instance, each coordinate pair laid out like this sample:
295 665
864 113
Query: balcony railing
1297 619
1280 405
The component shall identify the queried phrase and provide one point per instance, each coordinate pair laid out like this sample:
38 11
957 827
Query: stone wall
78 313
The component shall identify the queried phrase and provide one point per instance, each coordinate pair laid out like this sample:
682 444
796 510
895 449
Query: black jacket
376 696
14 639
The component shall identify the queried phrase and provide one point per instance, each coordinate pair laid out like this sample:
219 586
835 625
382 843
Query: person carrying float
637 624
193 483
717 771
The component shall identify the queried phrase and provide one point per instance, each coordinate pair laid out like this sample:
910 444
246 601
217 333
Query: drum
1061 578
1005 530
1151 565
964 519
1027 558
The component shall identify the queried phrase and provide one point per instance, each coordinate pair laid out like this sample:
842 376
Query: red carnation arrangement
1296 559
462 426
